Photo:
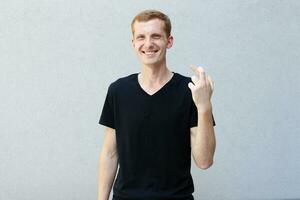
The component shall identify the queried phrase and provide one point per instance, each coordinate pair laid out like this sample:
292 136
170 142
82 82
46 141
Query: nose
148 42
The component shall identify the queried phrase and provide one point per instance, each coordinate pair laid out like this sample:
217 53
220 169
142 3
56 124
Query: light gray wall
57 58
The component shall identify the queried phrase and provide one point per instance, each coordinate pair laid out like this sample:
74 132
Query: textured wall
57 58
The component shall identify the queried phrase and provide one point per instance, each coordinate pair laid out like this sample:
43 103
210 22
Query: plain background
58 57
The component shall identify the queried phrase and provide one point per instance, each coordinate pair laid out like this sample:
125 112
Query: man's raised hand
202 87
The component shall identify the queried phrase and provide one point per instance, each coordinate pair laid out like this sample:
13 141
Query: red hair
147 15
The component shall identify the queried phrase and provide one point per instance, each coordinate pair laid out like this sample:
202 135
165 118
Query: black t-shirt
153 138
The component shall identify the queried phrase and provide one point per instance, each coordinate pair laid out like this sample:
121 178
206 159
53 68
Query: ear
132 43
170 41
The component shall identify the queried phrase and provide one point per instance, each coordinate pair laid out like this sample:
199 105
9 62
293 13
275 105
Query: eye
156 36
140 37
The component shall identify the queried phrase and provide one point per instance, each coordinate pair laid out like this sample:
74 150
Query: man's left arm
203 142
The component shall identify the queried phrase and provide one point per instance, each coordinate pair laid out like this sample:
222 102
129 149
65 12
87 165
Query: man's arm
108 164
203 142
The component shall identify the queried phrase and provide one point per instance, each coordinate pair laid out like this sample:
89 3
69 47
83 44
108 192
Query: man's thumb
191 85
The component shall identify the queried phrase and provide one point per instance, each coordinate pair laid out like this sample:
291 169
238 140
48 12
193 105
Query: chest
136 109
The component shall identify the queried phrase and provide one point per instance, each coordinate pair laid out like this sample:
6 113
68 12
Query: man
154 120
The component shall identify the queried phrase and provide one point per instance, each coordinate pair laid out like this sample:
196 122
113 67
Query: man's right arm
108 164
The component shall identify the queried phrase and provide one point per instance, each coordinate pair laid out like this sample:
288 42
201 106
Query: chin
154 61
150 63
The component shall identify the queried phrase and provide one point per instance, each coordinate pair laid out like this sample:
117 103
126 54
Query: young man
154 120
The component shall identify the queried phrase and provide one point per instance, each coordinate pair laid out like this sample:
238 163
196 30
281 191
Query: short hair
148 15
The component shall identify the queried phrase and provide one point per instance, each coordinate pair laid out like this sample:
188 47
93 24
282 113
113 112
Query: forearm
205 142
108 165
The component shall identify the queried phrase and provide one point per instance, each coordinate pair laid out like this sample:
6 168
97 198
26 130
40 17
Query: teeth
149 52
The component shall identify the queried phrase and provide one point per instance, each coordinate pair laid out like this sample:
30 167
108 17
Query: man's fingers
201 74
195 79
211 82
191 85
194 68
199 71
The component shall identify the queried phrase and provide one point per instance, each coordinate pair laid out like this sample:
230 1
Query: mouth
152 52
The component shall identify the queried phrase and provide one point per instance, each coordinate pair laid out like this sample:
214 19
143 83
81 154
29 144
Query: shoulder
181 85
182 79
122 82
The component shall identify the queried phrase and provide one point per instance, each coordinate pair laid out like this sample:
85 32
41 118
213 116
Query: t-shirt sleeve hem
195 124
108 124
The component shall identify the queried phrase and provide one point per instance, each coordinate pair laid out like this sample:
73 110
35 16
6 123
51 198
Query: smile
150 52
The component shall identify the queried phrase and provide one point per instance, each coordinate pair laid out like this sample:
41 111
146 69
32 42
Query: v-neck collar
158 91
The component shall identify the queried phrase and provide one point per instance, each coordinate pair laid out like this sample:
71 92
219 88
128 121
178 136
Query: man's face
150 41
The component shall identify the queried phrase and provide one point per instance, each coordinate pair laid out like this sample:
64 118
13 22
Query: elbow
111 155
205 165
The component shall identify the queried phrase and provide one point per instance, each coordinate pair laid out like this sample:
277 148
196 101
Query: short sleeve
194 116
107 117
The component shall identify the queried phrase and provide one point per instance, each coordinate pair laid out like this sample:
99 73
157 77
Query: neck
154 75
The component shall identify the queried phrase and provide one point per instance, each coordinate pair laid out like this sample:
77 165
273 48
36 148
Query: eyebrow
140 35
154 34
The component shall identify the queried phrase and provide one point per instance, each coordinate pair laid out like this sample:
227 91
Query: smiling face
150 42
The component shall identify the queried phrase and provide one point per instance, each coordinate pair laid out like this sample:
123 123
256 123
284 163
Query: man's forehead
153 25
